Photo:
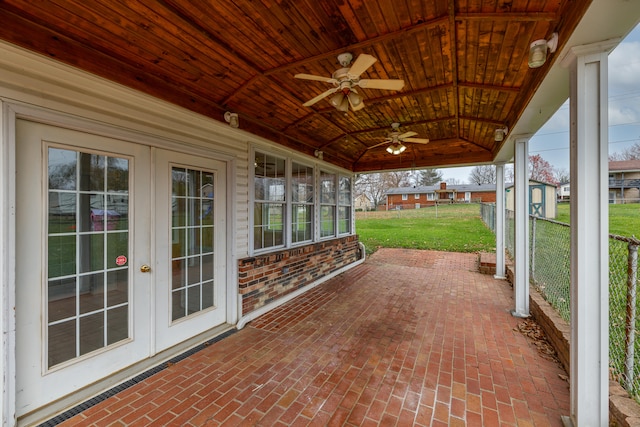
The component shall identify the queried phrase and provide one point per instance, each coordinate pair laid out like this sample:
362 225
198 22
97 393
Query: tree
397 179
375 185
629 153
429 177
541 170
509 174
484 174
453 181
562 176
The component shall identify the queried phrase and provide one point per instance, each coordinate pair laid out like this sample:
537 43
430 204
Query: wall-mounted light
396 148
500 133
538 50
232 119
318 154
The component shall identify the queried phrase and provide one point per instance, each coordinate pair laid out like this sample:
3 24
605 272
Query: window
327 204
269 204
431 196
405 197
295 203
344 206
416 196
301 203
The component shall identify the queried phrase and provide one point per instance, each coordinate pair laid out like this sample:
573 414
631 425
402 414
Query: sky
551 142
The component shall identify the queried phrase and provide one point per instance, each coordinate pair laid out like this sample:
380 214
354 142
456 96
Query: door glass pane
192 231
87 253
117 324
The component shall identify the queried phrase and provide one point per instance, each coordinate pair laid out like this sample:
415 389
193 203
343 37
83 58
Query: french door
120 255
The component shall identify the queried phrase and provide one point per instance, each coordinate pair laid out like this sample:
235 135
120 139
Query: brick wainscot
265 278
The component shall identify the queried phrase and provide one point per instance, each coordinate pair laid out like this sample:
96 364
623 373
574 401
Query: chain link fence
550 257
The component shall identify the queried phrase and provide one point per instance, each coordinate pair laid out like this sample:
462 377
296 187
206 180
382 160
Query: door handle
145 268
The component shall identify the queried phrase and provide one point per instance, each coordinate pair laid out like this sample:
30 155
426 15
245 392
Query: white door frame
13 110
38 383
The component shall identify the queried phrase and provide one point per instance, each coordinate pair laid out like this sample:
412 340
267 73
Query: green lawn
453 228
624 220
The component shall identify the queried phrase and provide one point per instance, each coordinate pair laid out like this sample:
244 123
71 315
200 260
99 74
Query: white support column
521 262
589 235
500 255
7 265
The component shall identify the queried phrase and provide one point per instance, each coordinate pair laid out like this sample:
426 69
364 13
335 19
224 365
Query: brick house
422 196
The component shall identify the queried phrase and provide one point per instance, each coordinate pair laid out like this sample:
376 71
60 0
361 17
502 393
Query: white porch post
7 266
521 262
589 235
500 259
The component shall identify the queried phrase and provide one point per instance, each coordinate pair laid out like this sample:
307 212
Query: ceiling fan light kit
346 79
396 148
396 140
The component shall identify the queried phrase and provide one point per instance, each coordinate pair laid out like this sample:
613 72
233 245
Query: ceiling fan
395 139
345 80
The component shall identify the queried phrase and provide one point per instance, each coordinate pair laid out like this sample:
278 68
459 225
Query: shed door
536 200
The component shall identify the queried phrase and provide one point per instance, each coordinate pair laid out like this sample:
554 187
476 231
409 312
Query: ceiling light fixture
500 133
538 50
232 119
347 97
355 100
396 148
340 101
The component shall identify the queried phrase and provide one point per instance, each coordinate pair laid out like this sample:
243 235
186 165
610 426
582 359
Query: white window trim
317 168
289 184
351 206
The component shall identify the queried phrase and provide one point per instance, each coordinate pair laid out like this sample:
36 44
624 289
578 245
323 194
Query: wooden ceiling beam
508 17
374 40
454 63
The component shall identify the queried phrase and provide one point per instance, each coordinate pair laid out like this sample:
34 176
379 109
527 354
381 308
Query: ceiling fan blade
417 140
362 63
378 145
407 135
319 97
316 78
389 84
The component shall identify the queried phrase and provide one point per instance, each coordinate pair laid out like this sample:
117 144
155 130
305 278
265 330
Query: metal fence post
533 249
632 269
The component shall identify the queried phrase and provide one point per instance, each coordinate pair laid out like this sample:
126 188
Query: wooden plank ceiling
464 64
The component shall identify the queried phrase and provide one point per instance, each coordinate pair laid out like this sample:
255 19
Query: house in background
624 181
423 196
363 203
564 191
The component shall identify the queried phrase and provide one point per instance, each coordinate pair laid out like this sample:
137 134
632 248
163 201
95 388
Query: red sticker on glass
121 260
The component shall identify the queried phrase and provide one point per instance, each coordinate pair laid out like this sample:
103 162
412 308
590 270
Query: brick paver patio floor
409 338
